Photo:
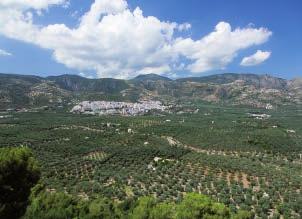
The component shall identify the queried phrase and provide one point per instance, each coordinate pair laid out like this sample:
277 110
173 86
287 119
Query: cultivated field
244 162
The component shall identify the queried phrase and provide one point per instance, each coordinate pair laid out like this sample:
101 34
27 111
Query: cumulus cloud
4 53
220 47
255 59
30 4
115 41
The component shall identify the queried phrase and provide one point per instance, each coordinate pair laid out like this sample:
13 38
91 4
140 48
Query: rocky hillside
76 83
18 91
258 81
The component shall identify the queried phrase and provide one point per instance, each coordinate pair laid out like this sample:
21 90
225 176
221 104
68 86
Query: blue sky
279 42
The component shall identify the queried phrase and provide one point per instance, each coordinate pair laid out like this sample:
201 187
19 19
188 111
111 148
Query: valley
244 162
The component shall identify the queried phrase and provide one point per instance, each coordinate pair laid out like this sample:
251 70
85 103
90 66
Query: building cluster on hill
117 108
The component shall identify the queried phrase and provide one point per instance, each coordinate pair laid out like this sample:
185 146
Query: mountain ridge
17 91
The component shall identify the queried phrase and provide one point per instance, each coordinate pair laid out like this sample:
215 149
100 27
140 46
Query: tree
46 205
163 211
100 208
19 172
143 208
52 206
199 206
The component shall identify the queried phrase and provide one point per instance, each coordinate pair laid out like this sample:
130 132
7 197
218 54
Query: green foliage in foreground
61 206
19 172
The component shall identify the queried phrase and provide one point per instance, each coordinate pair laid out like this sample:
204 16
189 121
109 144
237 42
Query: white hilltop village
117 108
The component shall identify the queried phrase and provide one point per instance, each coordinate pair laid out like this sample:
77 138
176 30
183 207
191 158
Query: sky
125 38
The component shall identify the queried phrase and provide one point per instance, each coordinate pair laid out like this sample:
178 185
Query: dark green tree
19 172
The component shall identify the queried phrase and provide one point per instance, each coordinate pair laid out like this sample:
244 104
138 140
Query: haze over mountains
18 91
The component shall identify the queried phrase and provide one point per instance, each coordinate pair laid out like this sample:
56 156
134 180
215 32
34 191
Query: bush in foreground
62 206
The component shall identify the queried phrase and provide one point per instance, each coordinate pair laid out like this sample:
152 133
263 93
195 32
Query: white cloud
114 41
4 53
155 70
74 14
85 75
30 4
184 26
255 59
220 47
66 4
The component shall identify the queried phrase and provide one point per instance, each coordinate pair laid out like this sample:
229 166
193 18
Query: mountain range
23 91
